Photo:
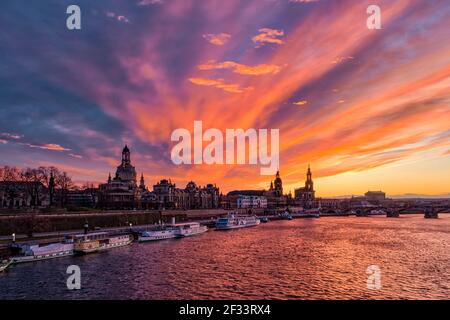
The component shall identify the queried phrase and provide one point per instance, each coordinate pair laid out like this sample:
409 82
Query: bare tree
63 184
46 174
9 176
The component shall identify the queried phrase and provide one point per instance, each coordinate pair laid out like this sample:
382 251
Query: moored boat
236 221
162 233
99 241
189 229
38 252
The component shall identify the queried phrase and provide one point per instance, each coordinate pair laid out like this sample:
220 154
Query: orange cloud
268 35
217 39
241 68
48 146
219 83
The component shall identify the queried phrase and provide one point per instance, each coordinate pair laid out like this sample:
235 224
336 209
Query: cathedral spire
142 182
126 156
309 185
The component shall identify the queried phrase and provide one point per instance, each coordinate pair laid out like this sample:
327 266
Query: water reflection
322 258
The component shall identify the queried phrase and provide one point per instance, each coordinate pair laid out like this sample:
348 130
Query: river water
322 258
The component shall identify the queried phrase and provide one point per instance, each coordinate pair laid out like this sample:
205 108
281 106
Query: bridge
392 211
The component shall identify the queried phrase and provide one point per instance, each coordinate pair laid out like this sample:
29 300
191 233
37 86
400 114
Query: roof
246 193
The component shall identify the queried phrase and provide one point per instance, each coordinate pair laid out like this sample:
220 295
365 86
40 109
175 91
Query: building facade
272 198
124 192
23 194
245 202
191 197
306 195
375 196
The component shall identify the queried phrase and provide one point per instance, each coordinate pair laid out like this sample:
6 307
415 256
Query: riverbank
28 224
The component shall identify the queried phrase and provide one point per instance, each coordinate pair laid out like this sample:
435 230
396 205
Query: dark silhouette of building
123 192
305 196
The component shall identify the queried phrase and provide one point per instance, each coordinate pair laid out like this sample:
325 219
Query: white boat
236 221
162 233
5 264
44 252
100 241
189 229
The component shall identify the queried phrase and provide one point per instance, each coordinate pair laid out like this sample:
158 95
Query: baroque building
191 197
305 196
124 192
272 198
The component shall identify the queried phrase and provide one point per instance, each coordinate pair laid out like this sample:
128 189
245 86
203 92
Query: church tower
309 184
142 182
278 184
126 157
126 172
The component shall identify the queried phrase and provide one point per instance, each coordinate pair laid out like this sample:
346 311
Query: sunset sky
368 109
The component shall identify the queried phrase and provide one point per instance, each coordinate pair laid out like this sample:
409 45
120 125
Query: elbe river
323 258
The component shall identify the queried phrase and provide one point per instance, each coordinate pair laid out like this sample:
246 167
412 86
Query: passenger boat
38 252
236 221
162 233
5 264
99 241
189 229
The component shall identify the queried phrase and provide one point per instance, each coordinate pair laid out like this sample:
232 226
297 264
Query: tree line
35 181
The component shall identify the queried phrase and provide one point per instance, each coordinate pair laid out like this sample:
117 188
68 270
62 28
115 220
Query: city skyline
367 108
